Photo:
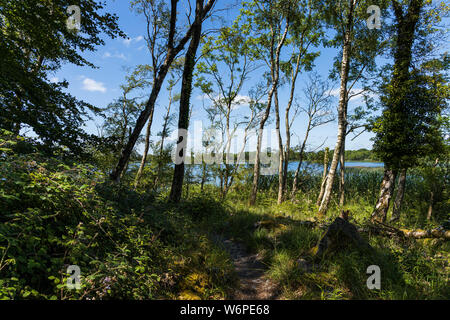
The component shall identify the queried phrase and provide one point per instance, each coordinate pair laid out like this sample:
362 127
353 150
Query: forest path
253 282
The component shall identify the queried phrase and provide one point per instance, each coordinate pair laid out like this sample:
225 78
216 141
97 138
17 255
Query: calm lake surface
314 167
349 164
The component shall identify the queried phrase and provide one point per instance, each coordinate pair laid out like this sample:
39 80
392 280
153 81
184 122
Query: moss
195 281
188 295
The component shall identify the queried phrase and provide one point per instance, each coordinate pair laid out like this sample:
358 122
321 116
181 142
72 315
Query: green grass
414 269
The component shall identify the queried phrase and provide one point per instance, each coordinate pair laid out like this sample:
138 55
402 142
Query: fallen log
384 229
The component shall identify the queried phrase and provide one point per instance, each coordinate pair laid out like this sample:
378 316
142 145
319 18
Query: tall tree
122 113
225 66
153 11
324 175
266 24
356 41
163 155
34 42
304 34
186 88
318 112
170 44
139 70
412 101
358 120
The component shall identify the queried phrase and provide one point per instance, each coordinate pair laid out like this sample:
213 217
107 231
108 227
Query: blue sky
102 85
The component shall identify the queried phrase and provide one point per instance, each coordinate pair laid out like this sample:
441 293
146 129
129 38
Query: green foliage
410 128
126 244
29 55
414 90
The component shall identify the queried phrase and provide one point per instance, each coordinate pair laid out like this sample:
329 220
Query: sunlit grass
417 269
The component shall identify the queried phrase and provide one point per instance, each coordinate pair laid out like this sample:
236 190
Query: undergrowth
135 245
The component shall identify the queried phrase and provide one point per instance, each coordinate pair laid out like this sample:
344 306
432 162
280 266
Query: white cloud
117 55
202 96
54 79
127 42
239 100
92 85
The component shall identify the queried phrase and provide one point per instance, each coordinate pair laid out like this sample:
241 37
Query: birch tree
304 35
225 66
318 110
355 39
266 24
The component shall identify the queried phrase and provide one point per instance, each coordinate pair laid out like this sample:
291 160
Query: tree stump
340 234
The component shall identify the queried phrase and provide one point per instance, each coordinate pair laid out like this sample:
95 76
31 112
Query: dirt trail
254 284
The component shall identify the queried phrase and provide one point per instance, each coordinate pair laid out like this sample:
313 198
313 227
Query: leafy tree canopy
34 43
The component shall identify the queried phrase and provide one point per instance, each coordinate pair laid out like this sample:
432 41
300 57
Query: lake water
314 167
348 164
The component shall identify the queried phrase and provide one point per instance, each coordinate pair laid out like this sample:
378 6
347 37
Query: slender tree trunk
275 75
128 161
324 176
281 177
188 181
287 149
238 160
220 178
296 174
386 192
143 117
342 111
163 137
228 161
146 148
342 176
430 206
400 195
287 124
300 160
186 89
256 168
